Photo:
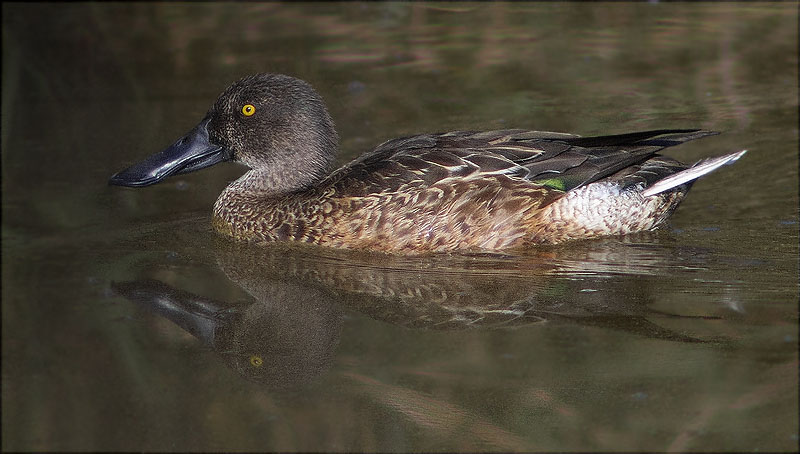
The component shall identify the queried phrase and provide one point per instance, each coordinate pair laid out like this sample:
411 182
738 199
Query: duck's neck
263 195
263 182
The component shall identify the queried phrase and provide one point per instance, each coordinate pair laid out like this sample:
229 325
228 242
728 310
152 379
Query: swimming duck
454 191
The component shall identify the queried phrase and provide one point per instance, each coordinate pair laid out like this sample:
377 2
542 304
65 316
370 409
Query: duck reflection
288 334
283 339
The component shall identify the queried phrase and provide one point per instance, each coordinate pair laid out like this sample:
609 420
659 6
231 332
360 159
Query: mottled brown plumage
455 191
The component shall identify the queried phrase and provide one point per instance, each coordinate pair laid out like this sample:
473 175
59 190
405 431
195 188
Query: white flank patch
701 168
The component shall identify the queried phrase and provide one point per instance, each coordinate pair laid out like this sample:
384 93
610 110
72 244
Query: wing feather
559 161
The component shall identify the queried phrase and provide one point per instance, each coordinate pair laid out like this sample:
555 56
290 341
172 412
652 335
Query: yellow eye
256 360
248 109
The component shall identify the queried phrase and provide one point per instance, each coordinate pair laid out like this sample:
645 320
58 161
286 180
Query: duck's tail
699 169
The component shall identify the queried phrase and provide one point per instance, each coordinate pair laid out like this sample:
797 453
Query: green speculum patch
555 183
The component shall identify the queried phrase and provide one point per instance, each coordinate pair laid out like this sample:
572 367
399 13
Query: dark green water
127 324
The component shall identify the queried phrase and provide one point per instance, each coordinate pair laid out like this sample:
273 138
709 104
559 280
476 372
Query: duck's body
483 191
456 191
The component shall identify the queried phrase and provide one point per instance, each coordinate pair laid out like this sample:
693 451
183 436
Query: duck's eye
248 110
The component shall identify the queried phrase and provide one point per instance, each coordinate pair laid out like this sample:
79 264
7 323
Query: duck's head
275 124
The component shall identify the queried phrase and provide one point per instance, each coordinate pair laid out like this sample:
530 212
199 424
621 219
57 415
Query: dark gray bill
191 152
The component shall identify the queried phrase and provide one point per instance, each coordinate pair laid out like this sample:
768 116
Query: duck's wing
556 160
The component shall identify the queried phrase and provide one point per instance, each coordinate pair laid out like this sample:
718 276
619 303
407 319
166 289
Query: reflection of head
284 340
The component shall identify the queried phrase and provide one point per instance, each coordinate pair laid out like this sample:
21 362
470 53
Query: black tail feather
659 138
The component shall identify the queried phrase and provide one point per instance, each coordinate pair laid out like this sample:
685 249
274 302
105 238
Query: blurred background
684 339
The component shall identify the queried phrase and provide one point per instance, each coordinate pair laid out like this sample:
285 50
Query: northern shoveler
452 191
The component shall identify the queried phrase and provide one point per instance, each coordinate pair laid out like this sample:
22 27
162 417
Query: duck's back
565 161
484 191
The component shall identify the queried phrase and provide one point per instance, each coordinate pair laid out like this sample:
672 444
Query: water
129 325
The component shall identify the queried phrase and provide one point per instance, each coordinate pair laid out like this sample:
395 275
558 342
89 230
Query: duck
457 191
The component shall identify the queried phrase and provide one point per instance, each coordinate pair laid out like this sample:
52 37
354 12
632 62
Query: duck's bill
194 151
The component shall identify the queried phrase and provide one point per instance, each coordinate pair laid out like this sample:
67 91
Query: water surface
129 325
